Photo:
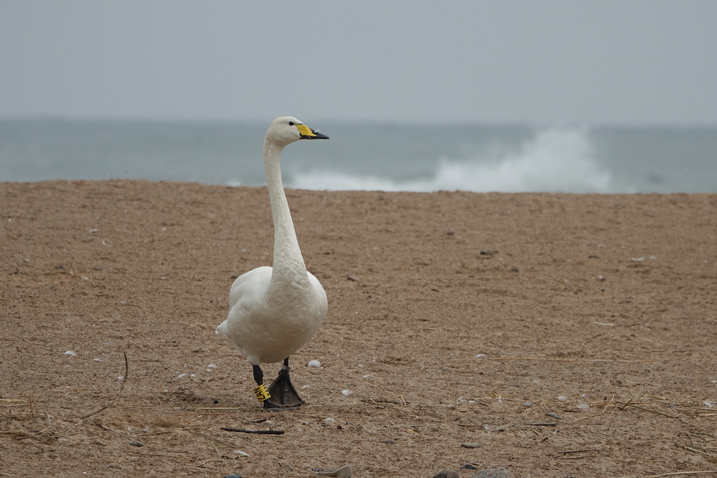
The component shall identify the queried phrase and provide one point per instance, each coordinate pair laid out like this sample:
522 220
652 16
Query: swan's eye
291 123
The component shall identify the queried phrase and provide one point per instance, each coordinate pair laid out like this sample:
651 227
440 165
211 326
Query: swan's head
287 129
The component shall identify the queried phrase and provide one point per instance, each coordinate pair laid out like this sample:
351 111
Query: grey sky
627 62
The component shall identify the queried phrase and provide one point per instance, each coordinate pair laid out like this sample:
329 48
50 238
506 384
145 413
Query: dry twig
124 380
258 432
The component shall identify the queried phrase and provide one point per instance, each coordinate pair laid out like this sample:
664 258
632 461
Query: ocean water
388 157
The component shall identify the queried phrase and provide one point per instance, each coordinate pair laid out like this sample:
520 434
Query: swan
274 311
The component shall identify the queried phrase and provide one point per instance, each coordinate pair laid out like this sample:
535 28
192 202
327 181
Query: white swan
273 312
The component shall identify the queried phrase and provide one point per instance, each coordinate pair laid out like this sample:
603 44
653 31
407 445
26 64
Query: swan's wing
250 286
247 291
322 303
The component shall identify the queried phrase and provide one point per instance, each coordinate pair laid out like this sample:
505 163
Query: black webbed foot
282 391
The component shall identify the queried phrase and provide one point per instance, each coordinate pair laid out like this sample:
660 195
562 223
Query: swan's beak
308 133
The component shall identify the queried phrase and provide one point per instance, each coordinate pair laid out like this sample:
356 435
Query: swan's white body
273 312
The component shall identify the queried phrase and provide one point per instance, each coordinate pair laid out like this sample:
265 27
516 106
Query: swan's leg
261 393
282 390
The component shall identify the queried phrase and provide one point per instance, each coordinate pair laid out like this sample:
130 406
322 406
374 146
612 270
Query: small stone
470 445
346 392
492 473
136 443
388 442
487 252
314 364
450 233
468 466
446 474
343 472
232 476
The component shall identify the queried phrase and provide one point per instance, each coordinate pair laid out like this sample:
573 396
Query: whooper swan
273 312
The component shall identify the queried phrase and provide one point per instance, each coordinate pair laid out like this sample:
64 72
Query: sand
454 318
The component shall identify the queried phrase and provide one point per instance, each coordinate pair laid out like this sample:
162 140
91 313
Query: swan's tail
222 329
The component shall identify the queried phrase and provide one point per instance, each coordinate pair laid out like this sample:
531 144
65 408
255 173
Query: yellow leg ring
262 393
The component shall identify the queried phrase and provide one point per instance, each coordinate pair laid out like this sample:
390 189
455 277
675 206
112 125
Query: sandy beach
454 319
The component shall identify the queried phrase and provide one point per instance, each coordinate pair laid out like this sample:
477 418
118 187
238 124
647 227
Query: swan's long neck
288 262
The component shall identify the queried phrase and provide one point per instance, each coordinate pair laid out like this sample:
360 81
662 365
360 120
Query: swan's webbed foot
283 391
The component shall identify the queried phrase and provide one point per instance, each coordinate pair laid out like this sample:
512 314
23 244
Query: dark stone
468 466
492 473
232 476
446 474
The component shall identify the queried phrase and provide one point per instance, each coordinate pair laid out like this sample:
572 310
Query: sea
369 156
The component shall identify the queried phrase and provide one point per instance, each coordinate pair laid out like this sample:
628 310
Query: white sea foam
555 160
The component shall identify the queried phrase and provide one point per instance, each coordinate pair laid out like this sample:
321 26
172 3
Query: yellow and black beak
308 133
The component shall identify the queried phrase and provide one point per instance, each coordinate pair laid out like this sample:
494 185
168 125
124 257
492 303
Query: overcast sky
625 62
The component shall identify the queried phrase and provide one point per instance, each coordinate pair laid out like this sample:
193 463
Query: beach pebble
329 420
388 442
233 475
470 445
468 466
562 398
136 443
72 353
487 252
343 472
346 392
480 355
446 474
241 453
492 473
314 364
211 365
305 387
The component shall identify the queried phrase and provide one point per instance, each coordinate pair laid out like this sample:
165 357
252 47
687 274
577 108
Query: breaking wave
555 160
